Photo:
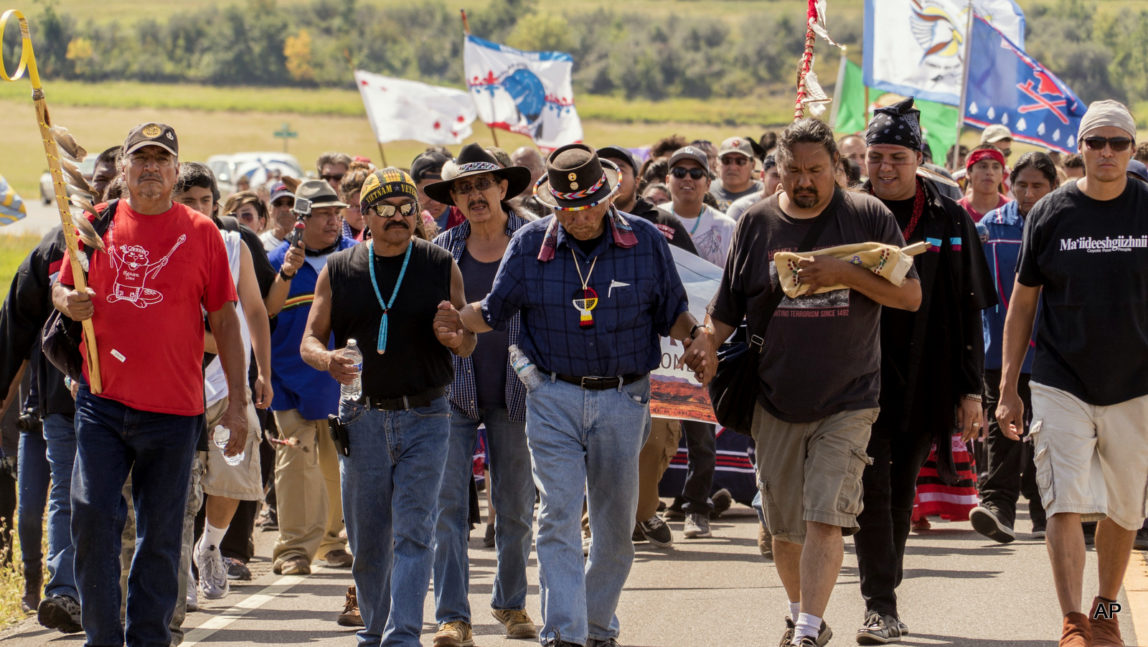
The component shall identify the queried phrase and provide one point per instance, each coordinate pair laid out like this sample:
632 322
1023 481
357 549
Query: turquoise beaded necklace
386 305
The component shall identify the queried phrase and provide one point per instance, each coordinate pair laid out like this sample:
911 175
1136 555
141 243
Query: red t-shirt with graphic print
150 284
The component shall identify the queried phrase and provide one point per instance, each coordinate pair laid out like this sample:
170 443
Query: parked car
257 167
48 194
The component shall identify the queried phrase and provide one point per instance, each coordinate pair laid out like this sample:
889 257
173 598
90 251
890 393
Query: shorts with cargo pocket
811 471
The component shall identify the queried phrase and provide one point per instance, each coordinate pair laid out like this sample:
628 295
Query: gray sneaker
656 532
60 612
212 571
697 526
879 630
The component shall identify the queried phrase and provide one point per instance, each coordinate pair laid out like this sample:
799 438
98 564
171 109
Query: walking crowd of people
323 358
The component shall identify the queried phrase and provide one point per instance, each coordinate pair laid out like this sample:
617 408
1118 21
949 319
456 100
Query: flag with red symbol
1010 88
528 93
408 110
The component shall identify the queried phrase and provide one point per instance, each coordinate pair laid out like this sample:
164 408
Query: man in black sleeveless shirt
385 294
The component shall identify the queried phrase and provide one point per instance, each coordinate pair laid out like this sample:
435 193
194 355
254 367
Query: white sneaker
697 526
192 596
212 571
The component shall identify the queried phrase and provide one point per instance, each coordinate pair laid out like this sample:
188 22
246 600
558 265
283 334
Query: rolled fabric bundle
889 262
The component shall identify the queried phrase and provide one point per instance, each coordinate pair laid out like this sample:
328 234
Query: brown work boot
350 616
294 565
1076 631
517 623
1104 623
764 542
455 633
339 558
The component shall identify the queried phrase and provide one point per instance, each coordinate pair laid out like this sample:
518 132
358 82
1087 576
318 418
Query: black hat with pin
576 178
475 160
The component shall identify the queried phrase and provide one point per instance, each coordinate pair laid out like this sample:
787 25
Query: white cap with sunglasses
1107 113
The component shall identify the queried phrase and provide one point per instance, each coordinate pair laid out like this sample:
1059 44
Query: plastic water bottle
354 390
220 437
526 370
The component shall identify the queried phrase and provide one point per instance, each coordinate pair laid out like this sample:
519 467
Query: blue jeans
32 479
113 441
60 434
390 484
585 441
512 494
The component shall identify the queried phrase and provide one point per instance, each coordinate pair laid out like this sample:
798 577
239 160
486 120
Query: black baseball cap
428 166
618 153
151 134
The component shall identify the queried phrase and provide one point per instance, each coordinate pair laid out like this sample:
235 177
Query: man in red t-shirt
162 266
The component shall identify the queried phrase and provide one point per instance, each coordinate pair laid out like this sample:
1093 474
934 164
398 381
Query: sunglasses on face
1118 144
389 210
337 177
681 172
463 188
283 203
731 160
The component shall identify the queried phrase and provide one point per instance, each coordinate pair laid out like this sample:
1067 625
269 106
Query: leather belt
405 402
592 383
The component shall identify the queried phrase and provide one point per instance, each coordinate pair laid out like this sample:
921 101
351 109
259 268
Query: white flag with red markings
408 110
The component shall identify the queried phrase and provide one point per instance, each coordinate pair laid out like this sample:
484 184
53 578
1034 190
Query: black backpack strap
756 339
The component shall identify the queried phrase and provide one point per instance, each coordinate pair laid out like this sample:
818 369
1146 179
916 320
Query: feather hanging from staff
809 91
76 178
68 144
87 234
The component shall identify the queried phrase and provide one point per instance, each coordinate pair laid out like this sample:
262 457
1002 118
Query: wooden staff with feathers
58 140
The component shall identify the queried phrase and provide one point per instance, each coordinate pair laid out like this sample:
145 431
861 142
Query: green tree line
652 56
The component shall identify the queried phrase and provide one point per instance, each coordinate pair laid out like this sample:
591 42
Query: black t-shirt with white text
1091 259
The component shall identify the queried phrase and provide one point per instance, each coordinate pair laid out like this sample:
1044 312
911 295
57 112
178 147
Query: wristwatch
286 277
694 330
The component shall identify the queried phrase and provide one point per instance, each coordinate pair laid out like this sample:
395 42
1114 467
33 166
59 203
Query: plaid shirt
464 394
640 296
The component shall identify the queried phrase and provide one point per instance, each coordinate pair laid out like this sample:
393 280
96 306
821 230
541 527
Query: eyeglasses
681 172
731 160
463 188
337 177
1118 144
282 203
389 210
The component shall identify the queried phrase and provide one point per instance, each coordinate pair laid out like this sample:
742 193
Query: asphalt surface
39 220
959 590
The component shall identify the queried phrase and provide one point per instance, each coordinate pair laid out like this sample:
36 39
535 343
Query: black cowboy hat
576 179
474 160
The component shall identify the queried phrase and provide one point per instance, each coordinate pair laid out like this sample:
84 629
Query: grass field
204 133
732 10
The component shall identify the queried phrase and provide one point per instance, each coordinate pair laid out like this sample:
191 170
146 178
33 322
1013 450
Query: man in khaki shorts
820 369
1085 256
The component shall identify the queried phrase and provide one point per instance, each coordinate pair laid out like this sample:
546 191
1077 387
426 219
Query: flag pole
466 30
382 154
964 83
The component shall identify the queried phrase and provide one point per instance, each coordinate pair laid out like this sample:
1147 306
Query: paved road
960 590
39 220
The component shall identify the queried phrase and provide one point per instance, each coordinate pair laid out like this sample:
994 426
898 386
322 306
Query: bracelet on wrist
285 276
975 397
694 330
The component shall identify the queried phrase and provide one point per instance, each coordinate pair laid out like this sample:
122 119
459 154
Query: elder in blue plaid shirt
596 289
485 392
